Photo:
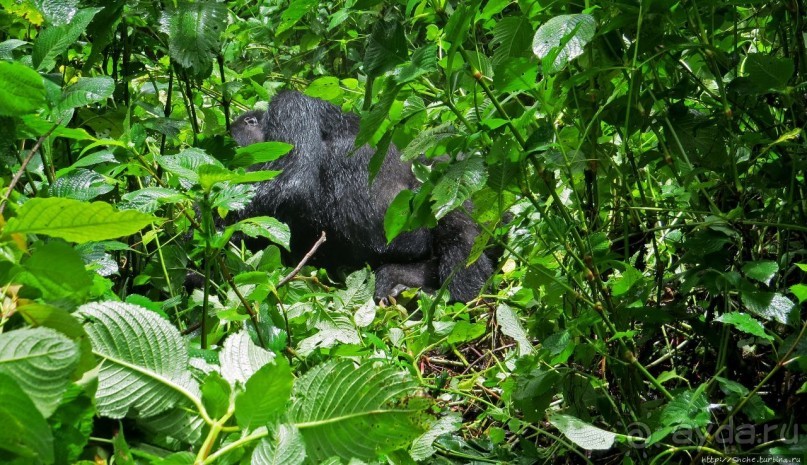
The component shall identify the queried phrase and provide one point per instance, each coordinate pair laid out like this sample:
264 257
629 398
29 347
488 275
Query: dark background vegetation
648 308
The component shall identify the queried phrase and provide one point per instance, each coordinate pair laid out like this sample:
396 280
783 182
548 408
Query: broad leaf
689 409
186 165
354 412
331 330
424 61
510 326
209 175
745 323
145 361
216 393
261 152
38 314
286 447
81 184
562 39
265 395
54 41
76 221
178 423
149 199
386 47
240 358
25 436
425 140
7 48
762 271
587 436
423 447
57 271
41 361
291 14
268 227
57 12
770 305
768 72
512 36
462 179
194 32
21 90
85 91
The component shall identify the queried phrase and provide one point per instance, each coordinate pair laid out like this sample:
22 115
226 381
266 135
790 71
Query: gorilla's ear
248 128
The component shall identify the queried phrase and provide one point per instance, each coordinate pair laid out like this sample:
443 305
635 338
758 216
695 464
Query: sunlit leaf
76 221
144 368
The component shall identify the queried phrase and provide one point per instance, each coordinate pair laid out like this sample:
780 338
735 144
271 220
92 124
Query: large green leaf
771 306
768 72
149 199
425 140
562 39
85 91
354 412
459 23
57 12
186 165
291 14
209 175
25 437
510 326
587 436
745 323
194 32
285 448
265 395
76 221
423 447
145 360
240 358
424 61
268 227
21 90
54 41
261 152
180 423
81 184
41 361
386 47
57 271
7 48
462 179
511 37
38 314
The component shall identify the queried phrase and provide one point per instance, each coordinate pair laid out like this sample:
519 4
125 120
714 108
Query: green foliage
337 403
41 361
23 92
144 368
194 30
641 164
26 436
75 221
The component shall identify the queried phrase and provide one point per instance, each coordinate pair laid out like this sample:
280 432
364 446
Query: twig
229 278
25 162
302 263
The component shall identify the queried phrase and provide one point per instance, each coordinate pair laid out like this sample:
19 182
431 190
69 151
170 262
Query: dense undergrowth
649 157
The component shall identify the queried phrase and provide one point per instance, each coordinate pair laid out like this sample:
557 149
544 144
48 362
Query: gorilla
324 186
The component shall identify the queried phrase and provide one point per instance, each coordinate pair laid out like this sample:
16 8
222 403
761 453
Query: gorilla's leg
392 278
453 239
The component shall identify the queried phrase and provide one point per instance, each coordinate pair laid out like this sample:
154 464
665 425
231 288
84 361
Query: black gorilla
324 186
